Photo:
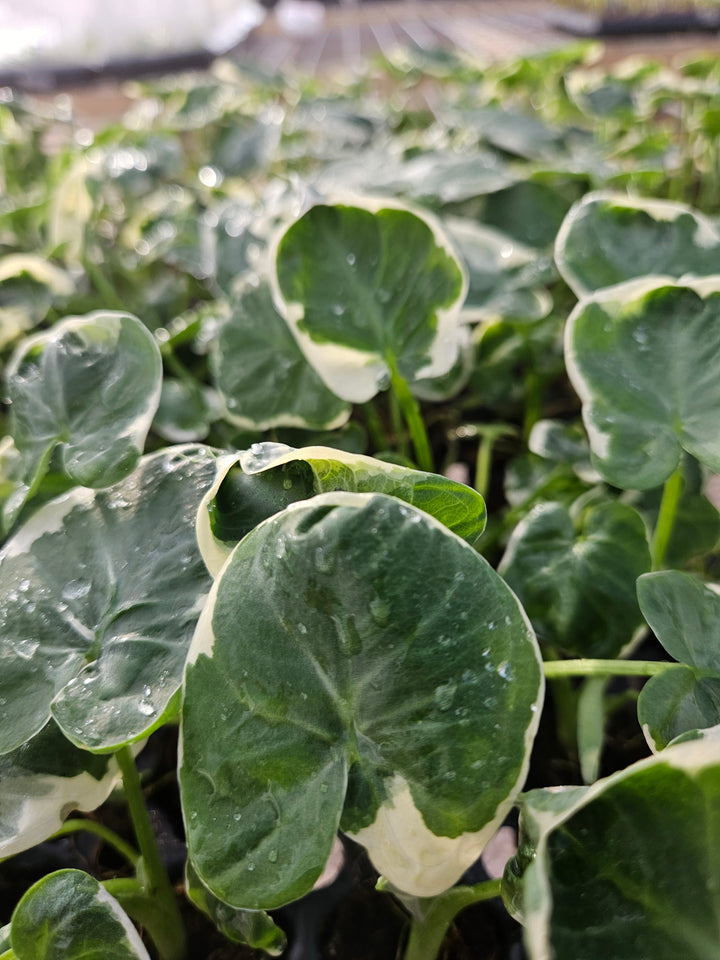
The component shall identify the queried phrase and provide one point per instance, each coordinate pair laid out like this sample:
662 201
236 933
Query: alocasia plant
344 643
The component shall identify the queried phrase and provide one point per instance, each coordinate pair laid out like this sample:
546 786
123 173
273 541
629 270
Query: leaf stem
427 934
104 833
411 411
666 518
605 668
167 929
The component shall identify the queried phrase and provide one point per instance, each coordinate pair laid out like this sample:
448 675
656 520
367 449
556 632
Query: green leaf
630 864
506 278
69 915
99 595
42 781
642 356
359 666
608 238
252 927
684 614
87 389
578 584
184 413
262 374
369 291
255 484
28 286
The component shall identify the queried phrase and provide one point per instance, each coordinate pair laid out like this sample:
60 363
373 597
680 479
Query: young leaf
259 482
578 585
42 781
69 914
608 238
642 357
684 614
263 376
99 594
253 927
359 666
370 292
632 860
88 389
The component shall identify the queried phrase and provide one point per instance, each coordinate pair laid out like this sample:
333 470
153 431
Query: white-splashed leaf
354 655
99 595
629 864
643 358
69 915
86 390
42 781
369 290
254 484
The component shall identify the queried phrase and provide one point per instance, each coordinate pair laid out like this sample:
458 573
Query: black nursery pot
618 23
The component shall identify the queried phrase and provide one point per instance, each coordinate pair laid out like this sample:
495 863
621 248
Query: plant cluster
250 336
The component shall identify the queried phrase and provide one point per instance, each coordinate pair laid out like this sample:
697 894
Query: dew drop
379 611
272 856
351 259
251 866
338 309
302 628
146 708
237 817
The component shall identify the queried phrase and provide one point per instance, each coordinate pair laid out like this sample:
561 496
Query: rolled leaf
358 666
259 482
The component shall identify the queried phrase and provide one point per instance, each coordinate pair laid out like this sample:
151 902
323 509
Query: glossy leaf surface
262 374
643 358
253 927
684 614
370 291
357 666
577 584
69 914
99 594
609 238
42 781
87 389
628 867
269 476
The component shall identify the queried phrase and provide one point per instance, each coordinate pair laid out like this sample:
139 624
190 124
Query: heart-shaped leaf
99 595
643 358
578 584
629 864
359 666
608 238
42 781
86 390
69 914
684 614
370 292
263 376
255 484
